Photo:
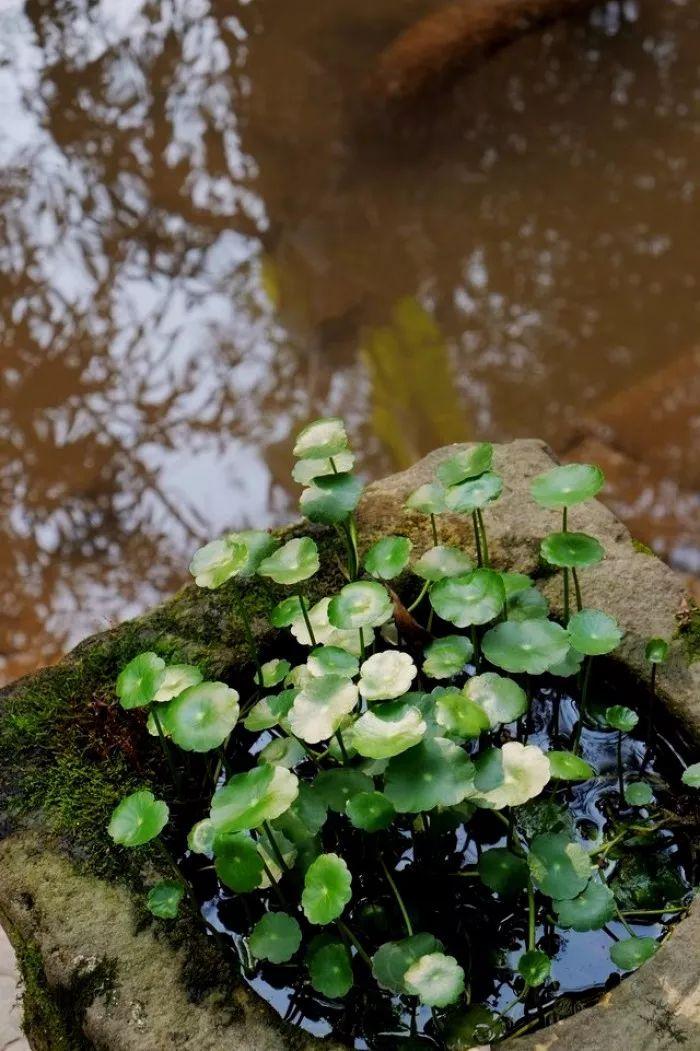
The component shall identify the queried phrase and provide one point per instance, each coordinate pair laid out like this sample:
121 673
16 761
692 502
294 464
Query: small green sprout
138 819
163 900
588 911
295 561
388 557
327 889
275 937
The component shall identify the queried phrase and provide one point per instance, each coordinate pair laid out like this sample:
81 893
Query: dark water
486 933
211 232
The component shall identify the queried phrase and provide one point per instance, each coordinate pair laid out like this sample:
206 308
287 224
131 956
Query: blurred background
213 229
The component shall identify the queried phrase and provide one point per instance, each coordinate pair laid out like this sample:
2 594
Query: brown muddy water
211 231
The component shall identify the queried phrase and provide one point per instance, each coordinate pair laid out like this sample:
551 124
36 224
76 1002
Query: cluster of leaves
379 734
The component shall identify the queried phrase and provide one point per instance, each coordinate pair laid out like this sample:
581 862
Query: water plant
398 747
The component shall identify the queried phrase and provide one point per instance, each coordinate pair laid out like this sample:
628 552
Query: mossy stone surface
99 972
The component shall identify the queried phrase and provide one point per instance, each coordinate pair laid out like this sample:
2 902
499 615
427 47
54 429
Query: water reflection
210 233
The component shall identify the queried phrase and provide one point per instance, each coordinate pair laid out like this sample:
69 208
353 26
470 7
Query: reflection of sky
204 242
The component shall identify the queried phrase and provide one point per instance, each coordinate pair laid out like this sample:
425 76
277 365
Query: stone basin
99 974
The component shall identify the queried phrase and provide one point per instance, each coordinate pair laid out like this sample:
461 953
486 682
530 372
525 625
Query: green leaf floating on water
593 632
391 960
436 979
336 787
568 485
370 811
361 604
559 866
571 550
565 766
320 707
176 679
322 439
472 1026
388 557
429 499
447 656
502 699
332 660
474 598
217 562
535 967
138 819
327 889
442 562
295 561
164 899
238 862
510 775
330 970
275 937
656 651
249 799
140 679
502 871
527 646
639 793
434 772
691 776
330 499
459 716
621 718
467 463
201 717
387 730
304 471
588 911
632 952
474 494
386 675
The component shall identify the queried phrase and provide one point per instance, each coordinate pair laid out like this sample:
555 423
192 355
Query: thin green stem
363 651
344 929
421 595
477 539
274 883
624 922
275 847
484 541
341 745
577 589
566 597
565 519
655 912
433 526
305 615
174 772
620 773
530 915
399 900
352 534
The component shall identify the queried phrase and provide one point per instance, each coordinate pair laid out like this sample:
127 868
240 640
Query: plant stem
341 744
577 588
655 912
305 615
352 534
530 914
475 644
275 847
477 539
620 774
566 597
344 929
174 772
399 900
433 526
421 595
624 922
363 651
650 721
248 632
274 883
484 541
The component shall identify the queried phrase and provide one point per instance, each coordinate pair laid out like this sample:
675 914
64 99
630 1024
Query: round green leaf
387 731
588 911
527 646
332 660
386 675
325 634
565 766
200 838
429 499
283 751
140 679
304 471
446 657
320 707
567 485
474 598
138 819
337 787
528 604
656 651
593 632
269 711
305 817
434 772
331 499
287 611
560 867
639 793
217 562
467 463
510 775
515 582
248 799
391 960
535 967
502 871
164 899
459 716
272 673
570 665
330 970
388 557
621 718
437 980
632 952
237 862
691 776
370 811
362 604
501 698
327 889
176 679
473 1027
571 550
258 544
202 717
474 494
441 562
321 439
295 561
275 937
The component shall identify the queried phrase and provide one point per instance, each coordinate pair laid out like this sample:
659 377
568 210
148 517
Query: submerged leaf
639 793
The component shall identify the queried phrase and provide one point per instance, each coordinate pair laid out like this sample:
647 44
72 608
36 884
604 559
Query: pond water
212 231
